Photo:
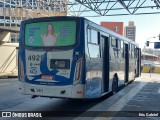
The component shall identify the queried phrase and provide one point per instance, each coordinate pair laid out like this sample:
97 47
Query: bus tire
114 85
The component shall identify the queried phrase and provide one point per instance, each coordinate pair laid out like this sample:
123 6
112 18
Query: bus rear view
72 57
51 57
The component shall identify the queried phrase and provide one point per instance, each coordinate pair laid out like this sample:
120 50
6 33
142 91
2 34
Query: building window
116 28
14 37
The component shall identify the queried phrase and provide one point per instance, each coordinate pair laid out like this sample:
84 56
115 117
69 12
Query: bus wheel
114 86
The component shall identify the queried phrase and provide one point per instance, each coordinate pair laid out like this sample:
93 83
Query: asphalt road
11 100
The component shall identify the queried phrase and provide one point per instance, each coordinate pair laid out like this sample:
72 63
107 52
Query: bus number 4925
35 57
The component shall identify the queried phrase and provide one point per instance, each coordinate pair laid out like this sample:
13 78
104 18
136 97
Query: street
137 96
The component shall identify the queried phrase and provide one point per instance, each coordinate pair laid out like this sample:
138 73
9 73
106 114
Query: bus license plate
38 90
47 77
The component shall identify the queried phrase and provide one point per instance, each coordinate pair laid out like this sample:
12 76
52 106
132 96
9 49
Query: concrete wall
112 25
5 36
8 59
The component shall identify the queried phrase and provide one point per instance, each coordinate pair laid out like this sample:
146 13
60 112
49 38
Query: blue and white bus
72 57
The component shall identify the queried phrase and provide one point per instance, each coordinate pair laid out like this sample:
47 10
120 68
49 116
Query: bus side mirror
99 37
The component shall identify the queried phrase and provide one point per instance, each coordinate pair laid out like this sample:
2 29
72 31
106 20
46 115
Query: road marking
4 84
122 102
117 106
159 90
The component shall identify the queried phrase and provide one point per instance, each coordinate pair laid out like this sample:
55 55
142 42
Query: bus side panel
93 78
21 63
93 69
132 69
113 63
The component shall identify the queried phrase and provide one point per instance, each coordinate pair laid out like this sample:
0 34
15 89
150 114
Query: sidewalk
149 77
142 97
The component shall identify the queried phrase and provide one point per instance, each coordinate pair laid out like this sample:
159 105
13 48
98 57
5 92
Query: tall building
130 31
114 26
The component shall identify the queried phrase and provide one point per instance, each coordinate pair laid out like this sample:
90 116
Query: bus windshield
49 34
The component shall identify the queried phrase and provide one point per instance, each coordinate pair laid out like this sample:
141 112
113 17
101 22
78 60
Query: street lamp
147 44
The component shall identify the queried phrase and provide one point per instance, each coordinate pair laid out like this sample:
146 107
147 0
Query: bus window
94 51
122 44
122 48
89 35
135 52
113 42
118 44
129 47
133 48
129 50
94 36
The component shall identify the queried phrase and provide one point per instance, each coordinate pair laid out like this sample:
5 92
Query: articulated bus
72 57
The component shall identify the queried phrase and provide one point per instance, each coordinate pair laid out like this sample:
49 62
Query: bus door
126 62
138 62
105 60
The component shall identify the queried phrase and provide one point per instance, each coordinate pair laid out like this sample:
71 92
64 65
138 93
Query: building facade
114 26
12 12
130 31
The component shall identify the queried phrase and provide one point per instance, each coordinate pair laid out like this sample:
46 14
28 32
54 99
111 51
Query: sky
147 26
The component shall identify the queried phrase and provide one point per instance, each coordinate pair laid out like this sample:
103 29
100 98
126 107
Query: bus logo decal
33 70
